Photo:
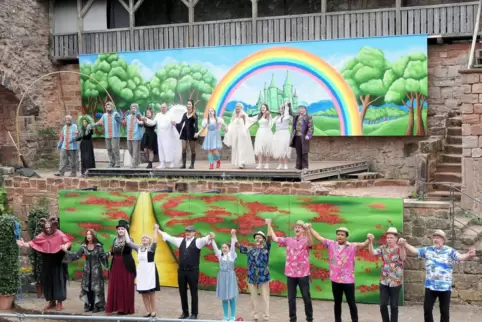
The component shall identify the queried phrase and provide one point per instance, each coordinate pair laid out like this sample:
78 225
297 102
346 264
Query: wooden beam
137 5
132 22
323 19
86 8
398 17
254 17
80 26
186 2
190 6
124 5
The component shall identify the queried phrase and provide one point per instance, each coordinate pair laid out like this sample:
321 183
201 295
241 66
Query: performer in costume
50 243
258 274
297 268
238 138
212 141
439 266
149 140
134 133
68 147
281 139
391 275
147 277
111 120
227 284
188 272
92 286
301 135
87 157
342 269
187 129
120 295
263 141
166 136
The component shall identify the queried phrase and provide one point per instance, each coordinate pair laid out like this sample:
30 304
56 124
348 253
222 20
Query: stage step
453 148
364 175
450 167
454 131
448 177
443 195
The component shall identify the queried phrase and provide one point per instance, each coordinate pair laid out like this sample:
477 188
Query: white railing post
474 37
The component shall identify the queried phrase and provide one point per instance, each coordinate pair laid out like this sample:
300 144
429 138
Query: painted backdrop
352 87
246 213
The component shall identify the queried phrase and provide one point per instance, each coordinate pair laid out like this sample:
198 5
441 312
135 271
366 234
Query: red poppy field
245 213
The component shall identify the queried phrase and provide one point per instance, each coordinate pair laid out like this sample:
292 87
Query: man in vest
68 147
188 271
134 132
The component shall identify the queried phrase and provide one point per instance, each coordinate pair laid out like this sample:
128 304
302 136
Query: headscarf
84 131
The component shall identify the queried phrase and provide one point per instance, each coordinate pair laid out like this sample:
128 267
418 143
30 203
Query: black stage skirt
54 277
149 139
87 158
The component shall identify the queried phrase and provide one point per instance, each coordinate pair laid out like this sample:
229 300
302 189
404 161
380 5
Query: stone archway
8 109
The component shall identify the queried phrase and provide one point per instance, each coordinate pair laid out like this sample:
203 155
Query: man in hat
188 271
439 265
391 274
111 120
297 268
342 268
258 274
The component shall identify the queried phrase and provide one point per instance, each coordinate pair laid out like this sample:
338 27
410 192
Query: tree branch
369 103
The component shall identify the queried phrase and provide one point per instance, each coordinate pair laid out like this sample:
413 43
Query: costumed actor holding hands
188 271
50 243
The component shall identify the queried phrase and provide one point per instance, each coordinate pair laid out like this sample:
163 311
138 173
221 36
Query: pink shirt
342 262
297 256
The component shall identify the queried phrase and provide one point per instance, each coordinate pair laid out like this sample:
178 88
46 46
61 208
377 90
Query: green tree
410 88
369 76
177 83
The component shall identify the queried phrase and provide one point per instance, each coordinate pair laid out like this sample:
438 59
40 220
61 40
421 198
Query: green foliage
4 208
9 270
34 215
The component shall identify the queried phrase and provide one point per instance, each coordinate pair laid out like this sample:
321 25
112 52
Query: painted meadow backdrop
352 87
246 213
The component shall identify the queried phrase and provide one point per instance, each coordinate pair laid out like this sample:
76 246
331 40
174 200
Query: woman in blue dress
212 141
227 284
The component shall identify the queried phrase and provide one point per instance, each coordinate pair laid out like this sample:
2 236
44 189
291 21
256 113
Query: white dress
166 137
239 139
263 141
282 136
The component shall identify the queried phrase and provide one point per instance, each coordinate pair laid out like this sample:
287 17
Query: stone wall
420 218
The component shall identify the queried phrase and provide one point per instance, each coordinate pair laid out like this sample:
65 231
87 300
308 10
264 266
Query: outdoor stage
318 170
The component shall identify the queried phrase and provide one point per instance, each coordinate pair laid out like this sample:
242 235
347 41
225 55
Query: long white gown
239 139
166 137
263 141
282 136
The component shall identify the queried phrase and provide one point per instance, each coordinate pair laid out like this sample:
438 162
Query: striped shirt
111 122
69 137
134 130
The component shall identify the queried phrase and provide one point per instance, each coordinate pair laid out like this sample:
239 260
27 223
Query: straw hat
344 229
392 230
260 233
299 223
439 233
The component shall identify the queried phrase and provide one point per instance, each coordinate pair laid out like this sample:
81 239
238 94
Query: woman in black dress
149 140
87 157
188 128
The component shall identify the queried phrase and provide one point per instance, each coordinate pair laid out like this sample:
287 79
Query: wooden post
323 19
80 26
398 17
190 6
132 22
254 17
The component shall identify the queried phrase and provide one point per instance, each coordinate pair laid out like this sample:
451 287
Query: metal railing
454 205
22 317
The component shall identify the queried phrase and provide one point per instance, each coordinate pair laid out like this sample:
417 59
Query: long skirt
54 277
87 157
120 295
263 141
281 144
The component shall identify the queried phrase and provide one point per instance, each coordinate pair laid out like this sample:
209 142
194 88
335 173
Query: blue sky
220 59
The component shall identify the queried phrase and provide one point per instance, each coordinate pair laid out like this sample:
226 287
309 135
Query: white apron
146 272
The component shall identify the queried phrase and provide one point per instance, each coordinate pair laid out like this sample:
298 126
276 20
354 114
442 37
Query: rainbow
298 60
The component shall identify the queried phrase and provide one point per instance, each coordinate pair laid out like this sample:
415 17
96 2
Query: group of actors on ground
160 134
54 245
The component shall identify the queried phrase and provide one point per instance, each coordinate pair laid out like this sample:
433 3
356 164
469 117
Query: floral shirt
258 263
392 270
342 262
439 266
297 256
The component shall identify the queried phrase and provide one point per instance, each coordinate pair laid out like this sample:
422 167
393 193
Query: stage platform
318 170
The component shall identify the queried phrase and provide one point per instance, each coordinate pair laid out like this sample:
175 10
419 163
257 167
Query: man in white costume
166 137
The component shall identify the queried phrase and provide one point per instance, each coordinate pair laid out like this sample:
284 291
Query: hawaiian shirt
392 270
342 262
439 266
258 263
297 256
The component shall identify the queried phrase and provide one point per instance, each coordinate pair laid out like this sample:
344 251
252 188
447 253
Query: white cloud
166 61
145 71
338 62
391 56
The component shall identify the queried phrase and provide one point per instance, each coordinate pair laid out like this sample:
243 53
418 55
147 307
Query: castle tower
260 100
295 102
265 96
288 89
272 99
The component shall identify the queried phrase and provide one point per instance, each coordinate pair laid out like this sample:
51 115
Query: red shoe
59 306
218 164
49 306
211 166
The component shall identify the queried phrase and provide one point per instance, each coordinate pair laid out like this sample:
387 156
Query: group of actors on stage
160 134
54 246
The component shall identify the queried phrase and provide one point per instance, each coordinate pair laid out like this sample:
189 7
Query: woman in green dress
92 287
